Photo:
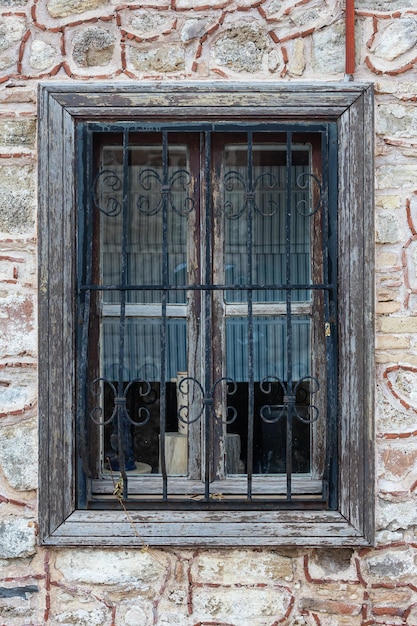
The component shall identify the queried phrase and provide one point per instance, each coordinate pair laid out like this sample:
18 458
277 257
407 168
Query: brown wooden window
209 278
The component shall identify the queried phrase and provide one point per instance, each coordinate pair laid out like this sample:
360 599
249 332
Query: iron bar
122 426
211 287
208 317
289 404
249 252
164 296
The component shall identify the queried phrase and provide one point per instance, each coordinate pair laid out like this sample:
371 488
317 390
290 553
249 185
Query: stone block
293 18
84 617
403 381
17 210
387 228
193 29
235 566
398 324
387 259
22 603
390 597
243 606
401 175
396 39
164 59
398 466
64 8
391 416
332 564
19 454
148 24
396 120
384 308
42 55
388 6
18 265
297 61
17 199
18 134
334 607
19 95
17 538
18 335
134 611
388 201
200 4
242 48
12 30
392 342
337 620
395 357
328 49
111 567
93 47
397 516
390 564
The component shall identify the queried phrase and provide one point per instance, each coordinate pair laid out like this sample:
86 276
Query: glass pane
272 387
142 350
141 369
148 185
255 202
270 357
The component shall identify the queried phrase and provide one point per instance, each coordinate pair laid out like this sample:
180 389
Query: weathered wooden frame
61 108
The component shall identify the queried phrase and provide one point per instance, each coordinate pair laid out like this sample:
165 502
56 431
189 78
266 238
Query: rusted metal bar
350 39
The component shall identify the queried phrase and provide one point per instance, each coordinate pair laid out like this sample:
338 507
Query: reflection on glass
268 225
264 213
145 220
271 379
142 363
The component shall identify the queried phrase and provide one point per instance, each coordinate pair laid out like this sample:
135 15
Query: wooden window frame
61 108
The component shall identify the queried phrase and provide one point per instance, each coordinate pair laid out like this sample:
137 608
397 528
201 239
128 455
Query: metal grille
207 309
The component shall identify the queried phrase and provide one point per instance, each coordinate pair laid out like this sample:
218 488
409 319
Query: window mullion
164 294
208 365
288 398
249 279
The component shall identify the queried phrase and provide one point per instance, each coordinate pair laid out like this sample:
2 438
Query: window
206 302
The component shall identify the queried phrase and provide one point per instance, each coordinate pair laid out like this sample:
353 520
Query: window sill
207 528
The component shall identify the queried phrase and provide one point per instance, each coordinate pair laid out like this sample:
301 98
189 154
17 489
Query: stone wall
208 40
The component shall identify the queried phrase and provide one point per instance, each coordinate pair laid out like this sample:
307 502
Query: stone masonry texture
276 40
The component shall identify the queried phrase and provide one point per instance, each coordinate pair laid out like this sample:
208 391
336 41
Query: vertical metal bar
122 426
164 294
288 401
249 261
208 207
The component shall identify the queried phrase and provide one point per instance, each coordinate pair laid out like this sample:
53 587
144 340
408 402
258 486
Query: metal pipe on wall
350 39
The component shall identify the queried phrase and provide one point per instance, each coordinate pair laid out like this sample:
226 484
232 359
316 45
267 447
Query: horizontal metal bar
226 504
265 486
194 287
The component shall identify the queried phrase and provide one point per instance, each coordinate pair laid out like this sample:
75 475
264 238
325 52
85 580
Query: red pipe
350 38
